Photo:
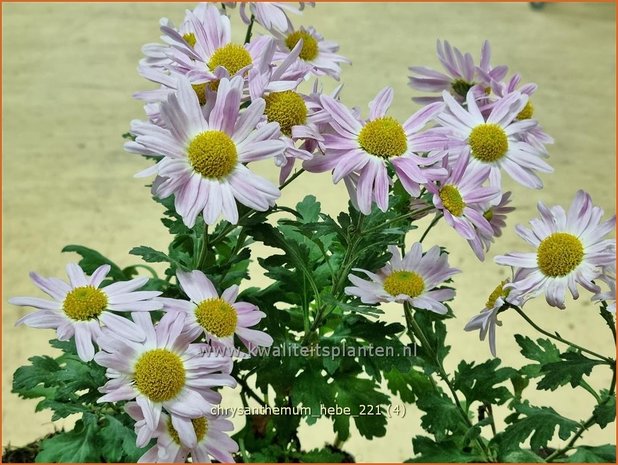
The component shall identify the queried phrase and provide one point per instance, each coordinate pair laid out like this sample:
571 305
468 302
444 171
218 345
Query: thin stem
559 338
204 249
416 331
292 178
249 29
430 227
246 388
148 268
609 319
584 426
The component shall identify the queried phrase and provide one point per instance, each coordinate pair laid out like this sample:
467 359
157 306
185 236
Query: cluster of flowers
166 370
221 105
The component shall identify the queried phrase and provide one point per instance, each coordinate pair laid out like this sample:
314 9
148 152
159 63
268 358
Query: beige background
69 71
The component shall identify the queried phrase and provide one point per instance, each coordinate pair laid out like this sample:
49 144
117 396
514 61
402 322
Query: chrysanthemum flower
486 321
271 15
496 140
211 440
609 297
218 317
495 213
160 368
571 248
460 198
78 306
207 53
366 147
462 75
317 56
535 136
413 278
204 153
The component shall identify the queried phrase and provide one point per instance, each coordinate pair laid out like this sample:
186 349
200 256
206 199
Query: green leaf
520 456
309 209
446 451
322 456
570 369
538 422
150 255
77 446
478 382
594 454
118 441
543 351
605 412
91 260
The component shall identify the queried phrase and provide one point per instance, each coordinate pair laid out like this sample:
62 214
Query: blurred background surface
68 74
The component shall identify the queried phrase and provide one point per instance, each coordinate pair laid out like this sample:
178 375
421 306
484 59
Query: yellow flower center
200 91
461 87
212 154
159 375
499 291
559 254
452 200
286 108
404 282
232 57
526 112
84 303
383 137
217 317
189 38
488 142
200 425
310 48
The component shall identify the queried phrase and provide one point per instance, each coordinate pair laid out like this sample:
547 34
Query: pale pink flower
211 439
495 212
160 368
571 248
220 318
78 306
415 279
204 152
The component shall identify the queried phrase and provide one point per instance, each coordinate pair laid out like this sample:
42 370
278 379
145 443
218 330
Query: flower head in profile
211 439
317 56
571 248
218 317
367 147
461 76
77 307
271 15
160 368
608 277
486 321
461 196
204 151
495 212
495 141
414 278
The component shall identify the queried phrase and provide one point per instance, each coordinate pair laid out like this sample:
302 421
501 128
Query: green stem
609 319
247 389
430 227
585 425
416 331
148 268
558 337
203 250
292 178
249 29
590 389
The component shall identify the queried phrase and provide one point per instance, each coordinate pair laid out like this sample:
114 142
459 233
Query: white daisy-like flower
494 141
571 248
204 152
486 321
210 433
495 212
160 368
414 278
78 306
271 15
317 56
218 317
